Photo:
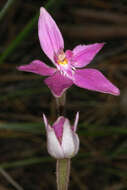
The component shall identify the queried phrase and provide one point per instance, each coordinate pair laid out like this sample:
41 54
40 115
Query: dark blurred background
102 160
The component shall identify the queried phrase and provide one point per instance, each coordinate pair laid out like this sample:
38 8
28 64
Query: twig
10 179
5 8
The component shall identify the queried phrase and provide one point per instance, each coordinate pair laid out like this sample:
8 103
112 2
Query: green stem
60 103
62 173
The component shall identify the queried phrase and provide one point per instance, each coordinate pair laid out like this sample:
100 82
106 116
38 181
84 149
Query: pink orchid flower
62 140
69 64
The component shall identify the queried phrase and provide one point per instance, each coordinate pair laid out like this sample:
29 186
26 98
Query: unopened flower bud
62 140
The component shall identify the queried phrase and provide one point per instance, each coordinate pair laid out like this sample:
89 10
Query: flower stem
62 165
60 103
62 173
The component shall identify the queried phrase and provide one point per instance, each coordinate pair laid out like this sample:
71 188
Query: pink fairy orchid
62 140
69 64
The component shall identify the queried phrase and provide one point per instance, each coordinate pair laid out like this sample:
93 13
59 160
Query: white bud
62 140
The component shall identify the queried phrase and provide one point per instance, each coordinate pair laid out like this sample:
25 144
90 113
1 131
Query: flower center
62 60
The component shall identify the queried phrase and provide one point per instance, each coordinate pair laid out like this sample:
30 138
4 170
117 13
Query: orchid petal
93 79
76 142
58 127
83 54
53 145
76 122
68 141
47 126
52 141
58 83
37 67
50 37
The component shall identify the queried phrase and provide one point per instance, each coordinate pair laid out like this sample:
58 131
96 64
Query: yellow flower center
62 59
64 62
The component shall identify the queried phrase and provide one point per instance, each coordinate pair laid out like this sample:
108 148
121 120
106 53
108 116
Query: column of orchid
62 140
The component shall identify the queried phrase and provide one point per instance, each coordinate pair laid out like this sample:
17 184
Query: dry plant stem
5 8
60 103
10 179
62 173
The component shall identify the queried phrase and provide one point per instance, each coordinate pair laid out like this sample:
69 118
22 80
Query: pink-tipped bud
62 140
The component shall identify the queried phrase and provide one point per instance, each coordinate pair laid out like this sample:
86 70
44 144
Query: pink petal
69 54
50 37
58 83
93 79
37 67
83 54
58 127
